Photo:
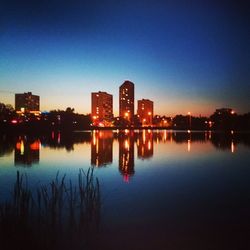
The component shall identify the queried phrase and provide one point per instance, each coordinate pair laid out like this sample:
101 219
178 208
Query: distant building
126 100
145 112
102 108
27 102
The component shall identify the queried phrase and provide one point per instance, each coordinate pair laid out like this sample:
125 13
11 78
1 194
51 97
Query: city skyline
193 53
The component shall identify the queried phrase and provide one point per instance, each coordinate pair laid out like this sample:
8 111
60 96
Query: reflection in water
126 154
189 145
27 152
27 148
232 146
145 144
6 145
101 148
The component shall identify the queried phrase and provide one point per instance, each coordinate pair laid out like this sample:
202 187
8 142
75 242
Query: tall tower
102 107
126 100
145 111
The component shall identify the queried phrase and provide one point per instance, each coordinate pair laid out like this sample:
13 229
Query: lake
160 189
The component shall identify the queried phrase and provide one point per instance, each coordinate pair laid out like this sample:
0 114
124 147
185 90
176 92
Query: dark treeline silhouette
67 120
49 121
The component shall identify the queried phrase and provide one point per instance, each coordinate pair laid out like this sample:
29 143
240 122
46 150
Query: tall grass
59 215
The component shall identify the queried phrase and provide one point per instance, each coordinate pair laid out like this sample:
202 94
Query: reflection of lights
210 135
52 135
126 131
20 146
232 147
143 136
36 145
94 139
14 121
97 146
126 144
149 145
59 138
165 135
232 132
189 145
126 178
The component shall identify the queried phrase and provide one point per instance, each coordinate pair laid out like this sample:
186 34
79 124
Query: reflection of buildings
126 155
145 144
102 148
102 108
145 111
27 153
27 102
126 100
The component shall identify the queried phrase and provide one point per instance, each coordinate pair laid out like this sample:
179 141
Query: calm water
160 189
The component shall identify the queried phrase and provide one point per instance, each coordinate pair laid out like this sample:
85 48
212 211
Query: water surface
160 189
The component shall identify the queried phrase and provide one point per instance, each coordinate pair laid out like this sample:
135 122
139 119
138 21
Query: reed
60 215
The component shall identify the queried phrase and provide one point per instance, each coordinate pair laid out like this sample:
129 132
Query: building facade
126 100
145 112
27 102
101 108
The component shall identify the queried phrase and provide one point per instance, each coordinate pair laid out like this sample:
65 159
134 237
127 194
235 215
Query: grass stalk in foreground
60 215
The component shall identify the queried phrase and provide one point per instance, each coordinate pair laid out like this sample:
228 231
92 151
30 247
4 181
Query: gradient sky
184 55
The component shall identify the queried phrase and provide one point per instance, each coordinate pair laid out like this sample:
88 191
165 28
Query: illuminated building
126 100
27 103
102 108
145 111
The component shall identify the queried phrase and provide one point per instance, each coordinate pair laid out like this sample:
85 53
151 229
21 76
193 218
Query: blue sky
184 55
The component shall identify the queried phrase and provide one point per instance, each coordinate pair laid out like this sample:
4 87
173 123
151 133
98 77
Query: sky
186 56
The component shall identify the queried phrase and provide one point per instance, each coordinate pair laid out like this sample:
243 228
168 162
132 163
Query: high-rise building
145 111
27 102
102 107
126 100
